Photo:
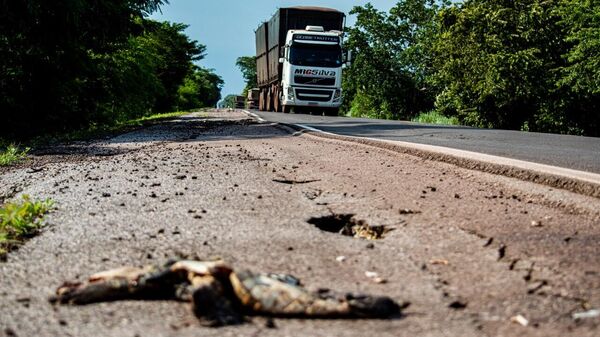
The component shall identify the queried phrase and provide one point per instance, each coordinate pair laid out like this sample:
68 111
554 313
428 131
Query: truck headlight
290 93
337 95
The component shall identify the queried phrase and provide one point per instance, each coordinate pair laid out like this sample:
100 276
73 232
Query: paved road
573 152
468 250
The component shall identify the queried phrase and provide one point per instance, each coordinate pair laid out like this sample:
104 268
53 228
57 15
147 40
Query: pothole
347 225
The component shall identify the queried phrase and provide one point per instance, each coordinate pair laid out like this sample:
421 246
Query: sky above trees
227 27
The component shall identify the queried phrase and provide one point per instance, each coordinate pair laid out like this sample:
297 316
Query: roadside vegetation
99 130
434 117
20 220
524 64
89 64
11 154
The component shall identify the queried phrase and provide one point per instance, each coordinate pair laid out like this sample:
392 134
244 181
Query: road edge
579 182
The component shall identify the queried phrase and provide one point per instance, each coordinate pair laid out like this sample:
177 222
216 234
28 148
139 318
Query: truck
240 102
299 60
252 98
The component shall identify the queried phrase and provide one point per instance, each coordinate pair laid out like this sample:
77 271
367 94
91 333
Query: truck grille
314 95
314 80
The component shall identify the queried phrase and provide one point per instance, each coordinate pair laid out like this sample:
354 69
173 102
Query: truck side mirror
349 57
282 60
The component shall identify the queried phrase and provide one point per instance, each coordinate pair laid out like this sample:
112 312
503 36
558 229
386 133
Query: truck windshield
316 55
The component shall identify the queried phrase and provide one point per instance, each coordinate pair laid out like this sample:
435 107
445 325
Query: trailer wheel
276 100
269 105
261 100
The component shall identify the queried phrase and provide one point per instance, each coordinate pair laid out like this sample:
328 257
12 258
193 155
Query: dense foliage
229 101
247 65
518 64
67 64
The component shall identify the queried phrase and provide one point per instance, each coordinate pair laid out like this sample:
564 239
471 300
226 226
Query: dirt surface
468 250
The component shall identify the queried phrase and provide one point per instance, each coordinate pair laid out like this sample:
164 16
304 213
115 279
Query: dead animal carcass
221 296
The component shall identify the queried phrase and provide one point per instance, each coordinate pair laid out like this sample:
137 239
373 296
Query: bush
19 220
434 117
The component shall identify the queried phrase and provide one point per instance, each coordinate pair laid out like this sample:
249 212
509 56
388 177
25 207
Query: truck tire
276 100
269 105
261 100
286 109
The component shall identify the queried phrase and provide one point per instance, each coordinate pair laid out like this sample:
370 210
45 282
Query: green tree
388 76
144 74
580 78
495 61
229 101
46 68
175 54
201 88
247 65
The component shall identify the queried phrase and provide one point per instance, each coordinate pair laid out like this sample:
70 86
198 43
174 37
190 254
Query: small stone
519 319
370 246
270 323
439 262
536 223
340 259
371 274
587 314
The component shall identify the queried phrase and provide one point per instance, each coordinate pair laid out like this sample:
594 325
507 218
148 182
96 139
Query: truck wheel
261 101
286 109
269 105
276 100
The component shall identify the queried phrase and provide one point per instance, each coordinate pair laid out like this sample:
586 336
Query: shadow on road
184 129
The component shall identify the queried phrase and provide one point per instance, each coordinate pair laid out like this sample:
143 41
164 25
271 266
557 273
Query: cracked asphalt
468 250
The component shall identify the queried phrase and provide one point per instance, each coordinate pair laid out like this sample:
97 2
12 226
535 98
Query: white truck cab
312 70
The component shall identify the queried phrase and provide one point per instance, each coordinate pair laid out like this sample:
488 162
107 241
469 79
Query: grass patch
11 154
101 130
434 117
155 118
21 220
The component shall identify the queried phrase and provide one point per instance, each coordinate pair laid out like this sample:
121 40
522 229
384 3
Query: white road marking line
486 158
252 114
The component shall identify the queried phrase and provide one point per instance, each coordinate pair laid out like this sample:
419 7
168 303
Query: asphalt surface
469 251
573 152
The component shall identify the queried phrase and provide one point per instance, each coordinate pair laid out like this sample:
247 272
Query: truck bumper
312 97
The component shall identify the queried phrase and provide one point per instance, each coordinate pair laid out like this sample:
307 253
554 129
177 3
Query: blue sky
227 27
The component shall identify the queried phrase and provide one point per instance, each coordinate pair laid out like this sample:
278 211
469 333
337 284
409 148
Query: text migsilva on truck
299 60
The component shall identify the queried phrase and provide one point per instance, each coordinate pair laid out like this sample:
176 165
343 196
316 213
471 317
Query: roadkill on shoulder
221 296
